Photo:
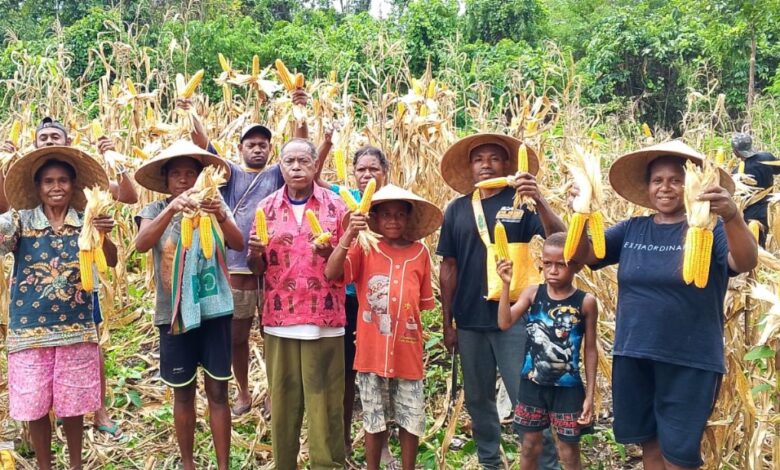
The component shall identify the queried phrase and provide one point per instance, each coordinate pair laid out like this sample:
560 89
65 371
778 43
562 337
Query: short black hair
556 240
409 206
504 150
375 151
297 140
166 166
53 163
664 159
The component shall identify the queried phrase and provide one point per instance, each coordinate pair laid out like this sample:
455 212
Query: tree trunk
751 77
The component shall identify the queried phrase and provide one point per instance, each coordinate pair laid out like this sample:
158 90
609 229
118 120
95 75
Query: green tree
493 20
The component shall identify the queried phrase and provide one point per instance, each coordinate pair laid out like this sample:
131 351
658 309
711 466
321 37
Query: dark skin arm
256 256
104 224
322 155
198 134
743 249
448 283
122 191
525 184
150 231
300 98
233 237
508 314
591 311
335 267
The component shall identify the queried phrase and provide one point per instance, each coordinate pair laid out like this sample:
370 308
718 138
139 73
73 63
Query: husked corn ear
16 132
150 117
192 85
574 234
261 227
492 183
85 267
76 139
323 238
741 168
311 217
96 129
206 236
140 153
255 66
596 227
501 242
349 200
186 232
100 259
299 80
646 130
417 87
368 194
424 110
340 162
223 62
697 256
704 254
691 238
284 75
431 92
755 228
131 86
720 156
400 109
522 159
332 76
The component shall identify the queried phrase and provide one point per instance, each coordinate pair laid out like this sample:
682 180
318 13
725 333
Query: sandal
112 430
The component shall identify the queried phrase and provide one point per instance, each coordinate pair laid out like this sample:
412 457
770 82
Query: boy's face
556 272
391 218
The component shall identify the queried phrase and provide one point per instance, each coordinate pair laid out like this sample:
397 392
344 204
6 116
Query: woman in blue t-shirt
668 352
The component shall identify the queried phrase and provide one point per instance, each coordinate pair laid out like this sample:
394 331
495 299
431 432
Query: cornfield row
414 120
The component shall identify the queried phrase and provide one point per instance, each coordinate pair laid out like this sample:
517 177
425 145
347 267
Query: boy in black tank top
560 318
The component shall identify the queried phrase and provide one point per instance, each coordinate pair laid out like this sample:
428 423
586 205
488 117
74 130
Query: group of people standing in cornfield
338 277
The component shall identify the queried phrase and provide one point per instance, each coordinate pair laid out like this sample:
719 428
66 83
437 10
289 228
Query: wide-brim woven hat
455 163
150 174
628 174
424 219
20 185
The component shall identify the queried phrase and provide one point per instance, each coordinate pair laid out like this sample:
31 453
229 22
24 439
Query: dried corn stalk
699 238
585 168
90 242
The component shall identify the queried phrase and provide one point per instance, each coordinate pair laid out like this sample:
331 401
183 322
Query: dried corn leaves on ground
413 120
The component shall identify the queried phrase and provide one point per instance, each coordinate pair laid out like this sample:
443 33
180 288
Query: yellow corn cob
7 461
501 242
368 194
492 183
416 87
349 200
96 130
150 117
255 66
741 168
691 239
531 126
311 217
186 232
100 259
755 228
299 80
131 86
332 76
401 109
431 89
323 238
284 75
573 236
703 254
646 130
114 91
720 156
424 110
227 94
138 152
522 159
340 162
85 267
16 132
261 227
223 63
76 139
192 85
206 236
596 227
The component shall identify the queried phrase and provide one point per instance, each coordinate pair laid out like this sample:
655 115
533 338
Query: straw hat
150 174
20 186
456 168
424 219
628 174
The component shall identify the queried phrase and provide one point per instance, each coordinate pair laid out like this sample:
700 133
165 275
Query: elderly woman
303 314
53 357
367 163
207 344
668 352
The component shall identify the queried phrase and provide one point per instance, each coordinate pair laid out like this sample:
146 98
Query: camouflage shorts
399 400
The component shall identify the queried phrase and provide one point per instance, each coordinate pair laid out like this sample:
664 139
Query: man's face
298 166
254 150
50 136
488 161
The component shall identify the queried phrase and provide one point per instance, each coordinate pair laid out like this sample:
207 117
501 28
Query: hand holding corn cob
205 192
93 232
585 168
698 240
321 237
504 269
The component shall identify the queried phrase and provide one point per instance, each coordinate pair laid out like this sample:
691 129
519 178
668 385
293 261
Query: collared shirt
242 193
393 286
296 290
48 305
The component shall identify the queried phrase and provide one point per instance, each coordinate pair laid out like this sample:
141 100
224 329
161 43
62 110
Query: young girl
174 172
393 285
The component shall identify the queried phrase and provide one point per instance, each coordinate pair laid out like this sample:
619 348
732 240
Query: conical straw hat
150 174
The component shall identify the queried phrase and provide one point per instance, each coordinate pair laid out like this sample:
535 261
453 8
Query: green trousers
306 374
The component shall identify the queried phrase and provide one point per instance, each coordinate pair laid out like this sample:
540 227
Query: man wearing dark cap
247 186
760 167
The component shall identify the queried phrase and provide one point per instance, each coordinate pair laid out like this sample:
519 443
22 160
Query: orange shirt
393 287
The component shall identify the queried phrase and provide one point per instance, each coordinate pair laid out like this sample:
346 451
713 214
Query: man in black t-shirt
470 319
755 166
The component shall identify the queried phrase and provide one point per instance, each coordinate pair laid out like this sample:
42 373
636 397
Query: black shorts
351 309
672 403
207 346
539 406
